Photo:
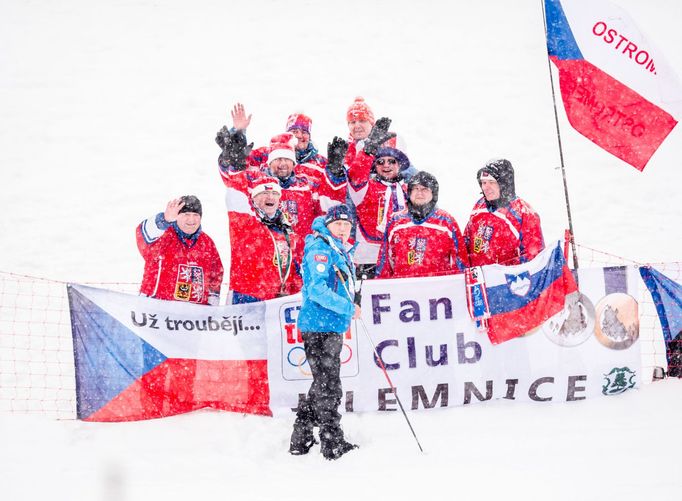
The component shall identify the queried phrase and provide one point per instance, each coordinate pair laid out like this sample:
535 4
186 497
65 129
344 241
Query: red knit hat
360 110
299 121
283 146
264 183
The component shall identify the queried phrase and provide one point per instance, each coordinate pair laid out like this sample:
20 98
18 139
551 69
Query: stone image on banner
618 321
574 324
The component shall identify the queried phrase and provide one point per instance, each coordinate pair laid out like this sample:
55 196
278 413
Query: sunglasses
389 161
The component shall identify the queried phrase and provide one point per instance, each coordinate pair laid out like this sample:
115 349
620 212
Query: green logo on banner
618 380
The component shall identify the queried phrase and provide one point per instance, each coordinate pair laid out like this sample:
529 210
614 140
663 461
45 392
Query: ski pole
390 383
380 362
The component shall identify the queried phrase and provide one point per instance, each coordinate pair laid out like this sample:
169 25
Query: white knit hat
283 146
486 176
263 184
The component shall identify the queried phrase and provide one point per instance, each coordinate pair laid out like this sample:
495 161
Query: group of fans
276 191
301 222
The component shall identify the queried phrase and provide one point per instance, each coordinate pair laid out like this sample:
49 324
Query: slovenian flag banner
141 358
522 297
617 89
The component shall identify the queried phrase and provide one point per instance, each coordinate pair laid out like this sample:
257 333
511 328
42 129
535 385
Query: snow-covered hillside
110 109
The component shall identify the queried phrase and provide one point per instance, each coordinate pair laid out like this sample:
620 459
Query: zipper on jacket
158 277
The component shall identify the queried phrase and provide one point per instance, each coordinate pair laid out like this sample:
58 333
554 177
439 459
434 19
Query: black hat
503 172
425 179
422 178
338 212
192 204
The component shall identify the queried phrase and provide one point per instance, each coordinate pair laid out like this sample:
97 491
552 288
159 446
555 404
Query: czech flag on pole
616 87
521 297
142 358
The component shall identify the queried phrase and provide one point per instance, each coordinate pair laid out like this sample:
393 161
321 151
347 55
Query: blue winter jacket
326 306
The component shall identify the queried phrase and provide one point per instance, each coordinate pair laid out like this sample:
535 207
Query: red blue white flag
617 89
521 297
667 296
141 358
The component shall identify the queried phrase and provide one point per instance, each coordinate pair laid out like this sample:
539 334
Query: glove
221 135
357 299
336 153
235 149
213 299
378 135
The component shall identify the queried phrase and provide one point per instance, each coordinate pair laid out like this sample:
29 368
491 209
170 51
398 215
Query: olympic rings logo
296 358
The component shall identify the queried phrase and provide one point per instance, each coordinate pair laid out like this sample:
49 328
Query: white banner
436 358
186 330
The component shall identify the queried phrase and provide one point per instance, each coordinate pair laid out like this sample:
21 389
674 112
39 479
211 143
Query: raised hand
379 135
239 119
235 149
336 153
173 209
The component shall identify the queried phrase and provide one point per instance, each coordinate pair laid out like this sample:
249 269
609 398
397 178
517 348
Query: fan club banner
141 358
616 87
436 357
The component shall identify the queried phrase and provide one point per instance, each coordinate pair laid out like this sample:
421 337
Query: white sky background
109 109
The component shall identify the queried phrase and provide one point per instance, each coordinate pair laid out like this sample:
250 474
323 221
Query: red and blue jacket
507 235
375 203
431 247
264 258
300 198
177 266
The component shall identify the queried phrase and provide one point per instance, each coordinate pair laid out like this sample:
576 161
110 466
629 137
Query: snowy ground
109 109
608 448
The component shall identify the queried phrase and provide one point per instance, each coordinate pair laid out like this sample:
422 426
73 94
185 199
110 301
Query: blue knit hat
402 159
339 212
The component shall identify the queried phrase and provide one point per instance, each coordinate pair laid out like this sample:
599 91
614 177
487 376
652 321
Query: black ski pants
321 406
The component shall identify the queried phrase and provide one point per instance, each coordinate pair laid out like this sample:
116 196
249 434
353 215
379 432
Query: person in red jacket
423 240
265 252
300 200
308 160
309 163
378 190
360 120
181 262
502 227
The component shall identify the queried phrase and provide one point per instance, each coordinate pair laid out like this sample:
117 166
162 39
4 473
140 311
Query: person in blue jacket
327 309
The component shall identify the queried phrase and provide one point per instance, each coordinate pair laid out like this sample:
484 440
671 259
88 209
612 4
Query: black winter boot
334 450
334 445
302 439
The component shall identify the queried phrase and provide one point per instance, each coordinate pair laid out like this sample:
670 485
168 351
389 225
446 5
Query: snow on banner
522 297
141 358
617 89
